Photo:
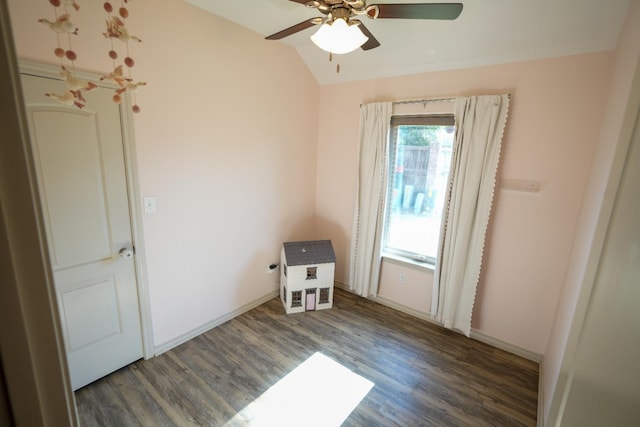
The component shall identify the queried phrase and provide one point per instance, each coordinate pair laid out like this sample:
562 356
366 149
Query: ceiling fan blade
372 42
447 11
300 1
292 30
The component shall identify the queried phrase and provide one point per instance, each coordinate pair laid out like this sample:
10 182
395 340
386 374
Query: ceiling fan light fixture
339 37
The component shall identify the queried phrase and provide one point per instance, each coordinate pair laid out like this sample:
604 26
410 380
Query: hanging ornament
116 76
70 3
70 97
75 84
64 29
117 30
61 25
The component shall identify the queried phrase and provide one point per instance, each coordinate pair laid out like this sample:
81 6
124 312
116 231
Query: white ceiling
487 32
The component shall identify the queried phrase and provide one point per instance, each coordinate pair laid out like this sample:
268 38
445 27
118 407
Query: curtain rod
429 101
424 101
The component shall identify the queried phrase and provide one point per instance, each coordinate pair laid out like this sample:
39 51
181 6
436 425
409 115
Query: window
324 296
419 159
296 298
312 273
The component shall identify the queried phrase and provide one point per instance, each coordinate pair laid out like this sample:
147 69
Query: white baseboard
508 347
475 334
407 310
342 286
161 348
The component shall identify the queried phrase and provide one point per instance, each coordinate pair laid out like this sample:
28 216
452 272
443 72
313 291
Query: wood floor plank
423 375
107 406
141 403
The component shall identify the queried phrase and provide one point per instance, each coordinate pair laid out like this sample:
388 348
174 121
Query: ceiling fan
343 12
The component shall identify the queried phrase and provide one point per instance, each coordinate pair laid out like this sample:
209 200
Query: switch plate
149 204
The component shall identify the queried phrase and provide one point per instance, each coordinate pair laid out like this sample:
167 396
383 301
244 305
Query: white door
81 172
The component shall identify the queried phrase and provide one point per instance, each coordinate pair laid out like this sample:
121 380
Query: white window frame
432 119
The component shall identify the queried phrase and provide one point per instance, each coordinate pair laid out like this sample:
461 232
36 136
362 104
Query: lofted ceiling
487 32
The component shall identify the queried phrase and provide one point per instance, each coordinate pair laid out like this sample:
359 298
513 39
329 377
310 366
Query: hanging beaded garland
117 30
64 28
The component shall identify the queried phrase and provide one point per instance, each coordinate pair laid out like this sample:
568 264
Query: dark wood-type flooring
424 375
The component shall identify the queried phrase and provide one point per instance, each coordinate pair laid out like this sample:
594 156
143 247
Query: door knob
125 253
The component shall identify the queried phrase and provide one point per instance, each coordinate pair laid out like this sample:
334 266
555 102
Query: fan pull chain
337 65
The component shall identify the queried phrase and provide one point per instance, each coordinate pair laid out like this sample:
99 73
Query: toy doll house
306 275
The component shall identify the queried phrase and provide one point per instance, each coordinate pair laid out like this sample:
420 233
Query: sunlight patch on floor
319 392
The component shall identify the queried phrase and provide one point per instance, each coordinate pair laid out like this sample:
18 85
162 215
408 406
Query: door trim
33 357
133 193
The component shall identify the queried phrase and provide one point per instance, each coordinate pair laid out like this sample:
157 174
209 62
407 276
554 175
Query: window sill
397 259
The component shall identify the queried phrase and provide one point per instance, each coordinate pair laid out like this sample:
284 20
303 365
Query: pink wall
233 129
551 134
414 294
597 202
226 141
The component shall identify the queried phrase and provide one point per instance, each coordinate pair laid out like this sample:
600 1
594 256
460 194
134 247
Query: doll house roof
309 252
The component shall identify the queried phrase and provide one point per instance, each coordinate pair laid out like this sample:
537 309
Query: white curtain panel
371 187
480 122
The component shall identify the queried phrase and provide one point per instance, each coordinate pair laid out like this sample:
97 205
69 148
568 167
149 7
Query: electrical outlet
403 278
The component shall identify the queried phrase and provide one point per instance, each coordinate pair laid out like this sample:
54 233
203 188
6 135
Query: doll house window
296 299
324 296
312 273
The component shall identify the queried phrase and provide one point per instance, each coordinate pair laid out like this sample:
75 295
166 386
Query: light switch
149 204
